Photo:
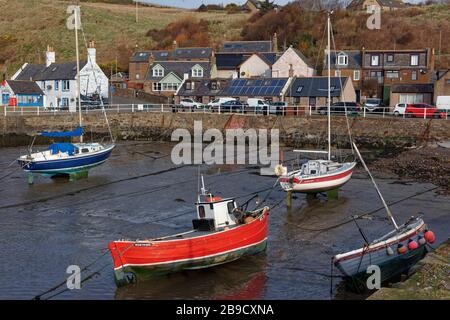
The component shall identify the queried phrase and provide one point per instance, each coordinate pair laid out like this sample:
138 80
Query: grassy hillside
25 35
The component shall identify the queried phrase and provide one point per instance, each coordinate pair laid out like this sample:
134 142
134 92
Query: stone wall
294 131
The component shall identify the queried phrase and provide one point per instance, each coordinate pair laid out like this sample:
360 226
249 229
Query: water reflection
244 279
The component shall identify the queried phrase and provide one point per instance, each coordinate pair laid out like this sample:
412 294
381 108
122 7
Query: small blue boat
64 157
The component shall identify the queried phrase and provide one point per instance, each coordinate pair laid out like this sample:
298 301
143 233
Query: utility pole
137 13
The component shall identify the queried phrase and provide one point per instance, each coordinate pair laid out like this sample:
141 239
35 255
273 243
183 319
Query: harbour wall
294 131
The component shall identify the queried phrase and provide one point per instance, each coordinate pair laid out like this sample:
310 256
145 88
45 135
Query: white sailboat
318 175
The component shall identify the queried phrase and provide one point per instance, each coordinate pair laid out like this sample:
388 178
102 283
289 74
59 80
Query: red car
422 110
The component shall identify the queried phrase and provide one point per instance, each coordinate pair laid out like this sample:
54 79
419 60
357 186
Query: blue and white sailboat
68 158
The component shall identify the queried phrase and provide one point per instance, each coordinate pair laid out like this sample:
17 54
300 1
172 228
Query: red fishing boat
221 233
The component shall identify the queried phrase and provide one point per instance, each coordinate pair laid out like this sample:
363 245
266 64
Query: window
375 60
189 85
337 73
66 85
158 71
169 87
413 75
230 206
390 58
64 102
156 86
342 59
392 74
299 89
56 85
410 98
414 59
197 72
356 75
137 76
215 85
201 212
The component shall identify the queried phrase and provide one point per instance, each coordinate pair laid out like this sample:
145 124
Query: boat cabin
215 212
317 167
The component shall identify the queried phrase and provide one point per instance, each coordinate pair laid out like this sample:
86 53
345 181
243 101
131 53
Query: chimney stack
275 42
50 56
92 52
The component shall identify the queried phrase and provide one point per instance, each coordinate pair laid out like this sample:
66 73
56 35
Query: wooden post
333 194
30 178
289 199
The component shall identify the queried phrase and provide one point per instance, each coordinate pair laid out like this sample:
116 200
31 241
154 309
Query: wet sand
139 193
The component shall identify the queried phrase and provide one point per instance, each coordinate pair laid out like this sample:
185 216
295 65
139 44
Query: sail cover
62 147
75 133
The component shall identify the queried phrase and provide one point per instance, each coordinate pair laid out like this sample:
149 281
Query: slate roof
55 71
315 87
202 87
24 87
412 88
354 59
29 71
230 61
178 67
246 46
177 54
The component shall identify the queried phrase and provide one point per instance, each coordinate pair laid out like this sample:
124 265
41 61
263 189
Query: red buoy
429 236
401 248
412 244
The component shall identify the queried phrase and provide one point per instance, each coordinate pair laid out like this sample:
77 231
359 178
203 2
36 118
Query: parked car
423 110
375 105
399 109
257 106
232 106
443 103
217 102
340 107
187 105
278 108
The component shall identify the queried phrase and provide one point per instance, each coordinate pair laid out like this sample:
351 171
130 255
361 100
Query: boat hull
67 165
355 263
141 260
317 184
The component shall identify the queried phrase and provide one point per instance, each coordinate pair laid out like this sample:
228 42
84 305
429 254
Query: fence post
4 108
425 114
310 110
219 108
364 113
21 111
38 110
162 107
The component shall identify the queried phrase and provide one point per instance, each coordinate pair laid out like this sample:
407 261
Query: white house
58 80
292 63
255 66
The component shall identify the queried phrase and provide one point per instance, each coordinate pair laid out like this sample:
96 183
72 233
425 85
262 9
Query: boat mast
78 71
391 217
329 85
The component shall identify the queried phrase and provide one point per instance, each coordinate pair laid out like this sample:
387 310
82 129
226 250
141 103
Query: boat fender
421 240
389 251
429 236
412 244
401 249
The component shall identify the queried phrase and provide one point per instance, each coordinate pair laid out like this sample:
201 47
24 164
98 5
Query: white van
257 105
217 102
443 102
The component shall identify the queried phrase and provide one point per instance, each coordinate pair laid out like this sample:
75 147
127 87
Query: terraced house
399 76
165 77
141 60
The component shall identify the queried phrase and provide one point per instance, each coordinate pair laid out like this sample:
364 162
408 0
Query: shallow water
139 193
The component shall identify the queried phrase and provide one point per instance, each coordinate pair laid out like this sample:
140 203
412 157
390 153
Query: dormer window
215 85
197 71
189 85
158 71
342 59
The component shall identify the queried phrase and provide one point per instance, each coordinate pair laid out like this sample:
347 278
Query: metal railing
289 111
